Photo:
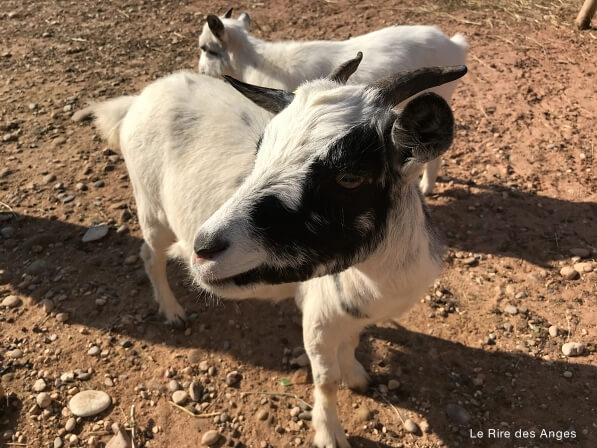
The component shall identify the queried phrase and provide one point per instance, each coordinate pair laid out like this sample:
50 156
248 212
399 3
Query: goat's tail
108 117
461 41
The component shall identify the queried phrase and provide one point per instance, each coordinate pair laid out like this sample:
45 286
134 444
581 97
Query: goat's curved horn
396 88
228 13
344 71
273 100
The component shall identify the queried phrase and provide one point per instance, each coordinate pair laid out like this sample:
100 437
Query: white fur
187 148
286 64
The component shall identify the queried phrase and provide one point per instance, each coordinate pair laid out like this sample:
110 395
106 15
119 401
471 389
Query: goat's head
333 165
216 40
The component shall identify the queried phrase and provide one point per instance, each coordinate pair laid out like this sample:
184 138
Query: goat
318 201
586 13
227 48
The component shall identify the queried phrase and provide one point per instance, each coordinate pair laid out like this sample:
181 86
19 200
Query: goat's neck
271 64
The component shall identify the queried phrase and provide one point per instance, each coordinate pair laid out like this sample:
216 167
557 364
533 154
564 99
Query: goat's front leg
354 375
322 340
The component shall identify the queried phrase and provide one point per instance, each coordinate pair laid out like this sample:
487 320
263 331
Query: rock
469 261
15 354
180 397
62 317
36 268
4 276
508 326
131 259
583 268
425 426
70 424
94 351
95 233
7 232
11 302
383 389
57 442
573 349
520 295
89 403
581 252
300 376
567 374
210 438
48 178
364 414
120 440
300 361
262 414
233 378
39 385
510 309
47 305
553 331
295 411
458 414
393 385
195 391
194 356
411 426
43 400
568 273
173 385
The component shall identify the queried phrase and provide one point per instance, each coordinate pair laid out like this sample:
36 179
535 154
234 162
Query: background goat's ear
424 130
216 26
344 71
272 100
228 13
245 19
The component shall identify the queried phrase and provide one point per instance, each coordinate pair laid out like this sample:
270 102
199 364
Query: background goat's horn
228 13
396 88
344 71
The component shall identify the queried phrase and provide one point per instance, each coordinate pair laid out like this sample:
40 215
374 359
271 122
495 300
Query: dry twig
192 414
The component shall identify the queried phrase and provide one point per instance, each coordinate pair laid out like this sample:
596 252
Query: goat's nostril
208 247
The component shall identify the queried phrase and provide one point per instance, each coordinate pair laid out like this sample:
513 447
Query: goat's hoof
177 319
358 379
330 439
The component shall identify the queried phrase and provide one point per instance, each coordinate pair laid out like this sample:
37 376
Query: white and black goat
318 202
227 48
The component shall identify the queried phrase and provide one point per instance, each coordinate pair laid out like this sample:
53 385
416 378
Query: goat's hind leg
354 375
158 238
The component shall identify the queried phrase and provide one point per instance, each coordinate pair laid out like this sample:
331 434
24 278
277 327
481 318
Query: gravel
573 349
11 302
568 273
553 331
411 426
180 397
89 403
43 400
39 386
510 309
94 351
195 391
95 233
210 438
262 414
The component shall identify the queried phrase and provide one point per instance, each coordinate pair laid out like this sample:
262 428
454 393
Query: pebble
300 361
233 378
194 356
458 414
57 442
36 268
43 400
211 437
180 397
573 349
553 331
567 374
70 424
295 411
47 305
4 276
568 273
95 233
583 268
411 426
120 440
15 354
48 178
39 385
581 252
11 302
89 403
7 232
62 317
393 384
173 385
94 351
508 326
364 414
262 414
510 309
131 259
195 391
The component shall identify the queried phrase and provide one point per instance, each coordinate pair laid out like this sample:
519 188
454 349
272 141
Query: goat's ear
272 100
245 19
344 71
228 13
424 129
216 26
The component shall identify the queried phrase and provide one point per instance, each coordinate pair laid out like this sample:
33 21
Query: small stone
520 295
508 326
411 426
573 349
7 232
425 426
99 184
95 233
4 276
364 414
383 389
393 384
120 440
458 414
553 331
510 309
262 414
567 374
39 385
80 186
233 378
194 356
173 385
180 397
295 411
36 268
94 351
300 361
581 252
300 376
131 259
583 268
70 424
89 403
11 302
195 391
48 178
47 305
62 317
43 400
57 442
210 438
15 354
568 273
468 261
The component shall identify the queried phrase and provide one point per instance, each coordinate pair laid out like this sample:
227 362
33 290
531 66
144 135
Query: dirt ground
516 201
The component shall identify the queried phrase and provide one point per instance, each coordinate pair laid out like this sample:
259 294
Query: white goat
319 202
586 13
227 48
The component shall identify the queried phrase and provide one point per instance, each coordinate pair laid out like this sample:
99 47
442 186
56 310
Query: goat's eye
213 53
349 181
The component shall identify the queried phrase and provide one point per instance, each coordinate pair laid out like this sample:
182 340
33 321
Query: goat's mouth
262 274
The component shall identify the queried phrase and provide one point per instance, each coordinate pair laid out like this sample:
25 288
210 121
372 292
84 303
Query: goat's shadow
75 274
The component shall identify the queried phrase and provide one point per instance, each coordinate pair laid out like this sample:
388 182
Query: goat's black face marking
332 227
